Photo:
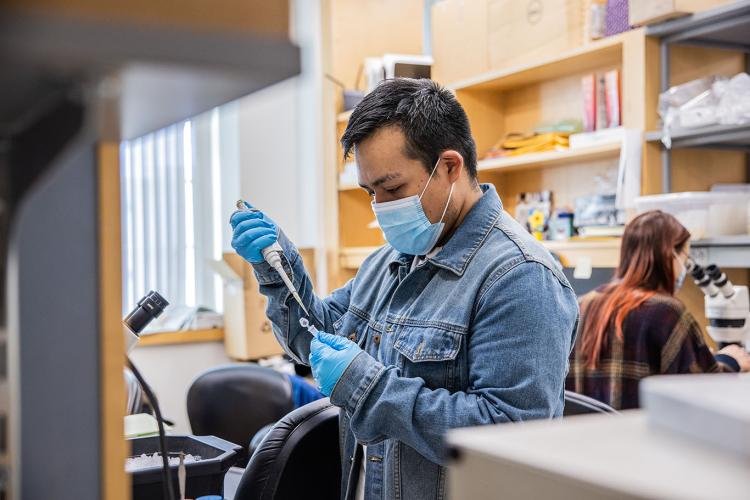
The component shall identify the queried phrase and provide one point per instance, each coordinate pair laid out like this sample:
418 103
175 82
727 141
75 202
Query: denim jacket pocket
430 353
427 343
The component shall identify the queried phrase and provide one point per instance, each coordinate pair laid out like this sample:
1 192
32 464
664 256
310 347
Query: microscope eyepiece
719 278
703 281
697 273
149 308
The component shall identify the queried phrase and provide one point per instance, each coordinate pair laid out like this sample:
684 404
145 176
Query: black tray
205 477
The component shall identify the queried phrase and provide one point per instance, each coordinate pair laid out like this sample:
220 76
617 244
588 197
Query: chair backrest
578 404
234 401
298 458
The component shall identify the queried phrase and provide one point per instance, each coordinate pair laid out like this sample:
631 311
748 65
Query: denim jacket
478 334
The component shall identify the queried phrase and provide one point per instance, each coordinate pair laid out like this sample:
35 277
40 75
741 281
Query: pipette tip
305 323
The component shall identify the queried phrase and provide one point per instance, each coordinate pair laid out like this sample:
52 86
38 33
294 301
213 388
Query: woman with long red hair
634 326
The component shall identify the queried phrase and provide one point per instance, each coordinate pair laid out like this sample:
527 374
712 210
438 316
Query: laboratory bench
591 457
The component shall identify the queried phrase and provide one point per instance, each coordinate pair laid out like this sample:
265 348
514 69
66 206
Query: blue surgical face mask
405 224
681 278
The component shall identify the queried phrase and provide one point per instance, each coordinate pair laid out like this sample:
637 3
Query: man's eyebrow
381 180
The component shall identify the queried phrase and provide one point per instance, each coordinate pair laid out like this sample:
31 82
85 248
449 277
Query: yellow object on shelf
560 138
537 143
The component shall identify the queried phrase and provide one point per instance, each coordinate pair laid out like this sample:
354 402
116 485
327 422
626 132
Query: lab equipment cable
166 472
272 254
150 307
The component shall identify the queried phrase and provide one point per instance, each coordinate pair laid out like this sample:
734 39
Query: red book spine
612 93
588 88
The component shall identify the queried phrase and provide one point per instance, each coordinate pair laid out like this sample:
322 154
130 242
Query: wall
170 369
270 153
275 140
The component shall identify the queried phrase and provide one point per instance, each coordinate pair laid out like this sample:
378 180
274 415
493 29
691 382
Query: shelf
599 252
723 27
344 117
352 257
734 137
602 252
589 57
182 337
724 251
550 158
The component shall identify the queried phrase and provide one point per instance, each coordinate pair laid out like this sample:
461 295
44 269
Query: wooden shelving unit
581 59
513 99
548 159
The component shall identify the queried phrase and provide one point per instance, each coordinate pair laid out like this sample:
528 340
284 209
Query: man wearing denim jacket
461 319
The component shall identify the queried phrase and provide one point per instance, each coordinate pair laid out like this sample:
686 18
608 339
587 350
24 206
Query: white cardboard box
712 408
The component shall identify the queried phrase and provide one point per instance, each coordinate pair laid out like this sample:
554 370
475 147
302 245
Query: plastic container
205 477
705 214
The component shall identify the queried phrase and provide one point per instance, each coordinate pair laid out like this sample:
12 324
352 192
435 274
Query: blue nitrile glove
252 232
330 355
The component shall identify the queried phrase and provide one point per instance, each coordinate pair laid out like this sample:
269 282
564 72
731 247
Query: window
172 222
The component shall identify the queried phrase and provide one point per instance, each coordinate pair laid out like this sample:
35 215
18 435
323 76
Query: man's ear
453 163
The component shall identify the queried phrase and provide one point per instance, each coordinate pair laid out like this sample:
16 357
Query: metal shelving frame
726 27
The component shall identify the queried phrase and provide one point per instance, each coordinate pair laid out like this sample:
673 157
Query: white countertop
621 455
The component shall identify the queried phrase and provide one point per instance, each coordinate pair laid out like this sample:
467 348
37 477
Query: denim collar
467 239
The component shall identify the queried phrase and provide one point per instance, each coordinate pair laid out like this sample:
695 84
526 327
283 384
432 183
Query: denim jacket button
376 339
353 337
389 328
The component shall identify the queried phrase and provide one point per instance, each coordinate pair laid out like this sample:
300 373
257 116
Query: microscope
149 308
727 306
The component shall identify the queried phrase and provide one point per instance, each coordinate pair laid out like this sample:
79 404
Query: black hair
429 115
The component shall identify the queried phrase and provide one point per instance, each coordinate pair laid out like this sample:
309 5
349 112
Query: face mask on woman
681 277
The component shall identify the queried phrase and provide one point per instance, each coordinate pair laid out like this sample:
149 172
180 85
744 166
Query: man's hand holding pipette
255 239
253 231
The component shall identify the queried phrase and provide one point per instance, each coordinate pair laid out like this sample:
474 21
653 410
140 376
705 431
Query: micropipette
272 254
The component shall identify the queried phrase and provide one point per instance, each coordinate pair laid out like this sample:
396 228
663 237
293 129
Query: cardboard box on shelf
642 12
247 330
459 40
522 31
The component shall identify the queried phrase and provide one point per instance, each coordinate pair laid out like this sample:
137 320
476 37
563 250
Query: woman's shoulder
666 311
666 303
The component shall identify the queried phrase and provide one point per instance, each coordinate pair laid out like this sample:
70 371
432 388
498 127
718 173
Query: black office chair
578 404
298 458
233 402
